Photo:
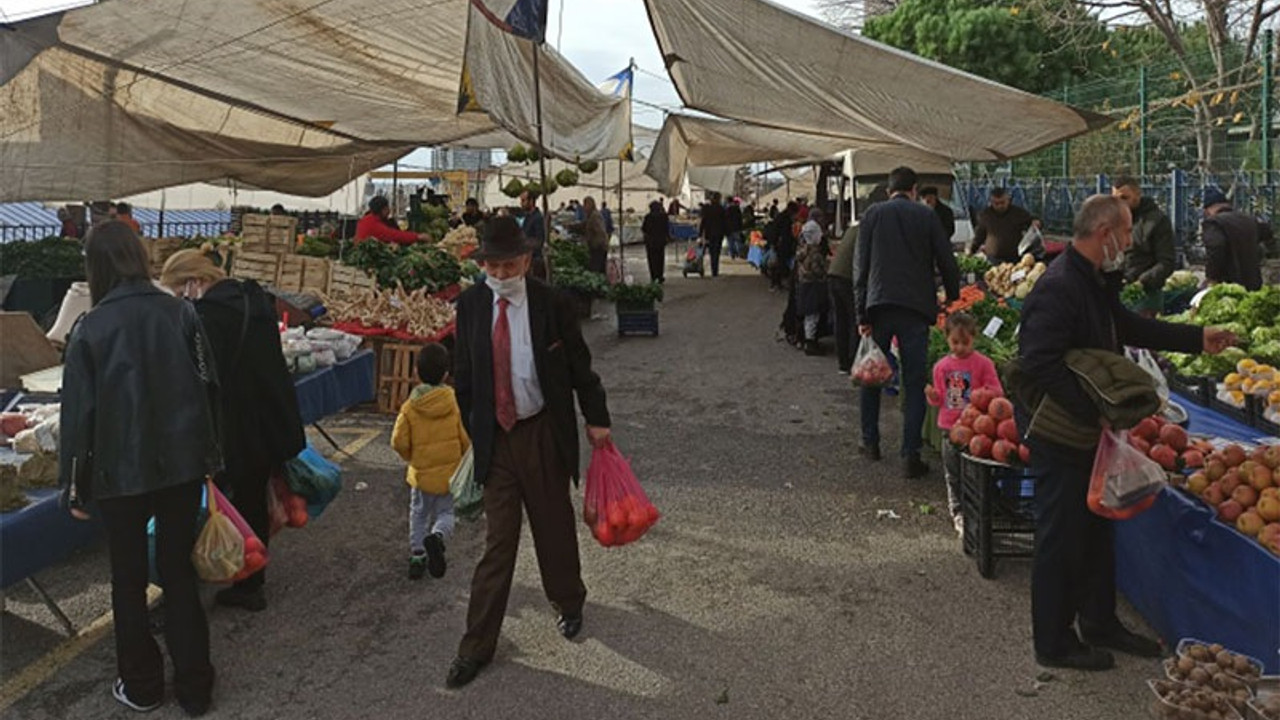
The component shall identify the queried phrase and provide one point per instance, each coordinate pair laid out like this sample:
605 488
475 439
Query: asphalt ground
773 587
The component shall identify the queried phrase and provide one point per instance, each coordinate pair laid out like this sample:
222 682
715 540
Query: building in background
459 159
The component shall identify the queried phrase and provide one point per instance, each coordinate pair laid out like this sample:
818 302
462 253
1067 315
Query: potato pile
1010 280
1214 669
1178 701
1267 708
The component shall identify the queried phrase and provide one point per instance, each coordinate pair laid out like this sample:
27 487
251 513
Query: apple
1269 508
961 435
1140 445
1174 436
1197 483
1250 523
1233 455
1230 481
1245 495
1193 459
1261 478
968 415
1008 430
1214 494
1005 452
1269 537
1271 458
1214 468
1000 409
980 446
1229 511
985 425
981 399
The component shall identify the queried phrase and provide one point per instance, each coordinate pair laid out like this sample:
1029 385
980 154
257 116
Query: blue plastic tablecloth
39 535
1192 576
331 390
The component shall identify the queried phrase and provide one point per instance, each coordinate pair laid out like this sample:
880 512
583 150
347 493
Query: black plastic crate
1199 390
1242 415
1257 411
638 323
998 503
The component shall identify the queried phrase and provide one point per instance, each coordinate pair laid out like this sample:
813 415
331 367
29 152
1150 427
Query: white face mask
1112 258
505 288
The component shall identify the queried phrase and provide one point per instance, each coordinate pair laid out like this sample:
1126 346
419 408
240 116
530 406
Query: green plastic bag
468 496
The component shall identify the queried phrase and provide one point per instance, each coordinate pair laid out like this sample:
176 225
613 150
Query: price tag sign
1018 276
993 327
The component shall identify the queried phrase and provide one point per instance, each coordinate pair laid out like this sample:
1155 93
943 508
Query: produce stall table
1192 576
37 536
329 391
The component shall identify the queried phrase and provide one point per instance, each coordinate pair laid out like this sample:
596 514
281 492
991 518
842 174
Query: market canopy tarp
686 143
751 60
134 95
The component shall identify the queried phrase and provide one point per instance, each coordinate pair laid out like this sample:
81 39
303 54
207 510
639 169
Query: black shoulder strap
244 330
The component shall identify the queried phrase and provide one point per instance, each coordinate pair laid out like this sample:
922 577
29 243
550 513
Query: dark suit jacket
561 356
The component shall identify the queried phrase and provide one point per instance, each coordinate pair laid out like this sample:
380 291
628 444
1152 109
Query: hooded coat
429 436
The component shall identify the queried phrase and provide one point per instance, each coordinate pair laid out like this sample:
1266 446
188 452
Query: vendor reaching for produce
1000 228
1151 259
1076 306
377 224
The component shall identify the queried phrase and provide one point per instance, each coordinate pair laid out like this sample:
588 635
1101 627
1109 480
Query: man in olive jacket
1152 258
1076 305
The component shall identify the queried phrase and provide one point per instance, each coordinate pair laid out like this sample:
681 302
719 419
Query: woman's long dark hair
114 256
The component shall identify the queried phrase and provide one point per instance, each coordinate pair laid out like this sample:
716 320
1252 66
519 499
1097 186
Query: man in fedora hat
519 360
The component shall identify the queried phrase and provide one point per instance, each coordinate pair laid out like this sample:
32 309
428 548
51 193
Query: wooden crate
263 267
397 375
160 250
269 233
344 280
299 273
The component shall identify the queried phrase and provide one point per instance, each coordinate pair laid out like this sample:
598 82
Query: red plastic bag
255 551
292 505
276 511
615 506
1124 482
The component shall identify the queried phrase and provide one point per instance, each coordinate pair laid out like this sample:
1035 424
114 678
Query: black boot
811 348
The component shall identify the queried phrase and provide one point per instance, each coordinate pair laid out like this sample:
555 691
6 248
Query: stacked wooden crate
269 233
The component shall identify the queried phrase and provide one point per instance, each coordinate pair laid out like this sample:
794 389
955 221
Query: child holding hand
954 378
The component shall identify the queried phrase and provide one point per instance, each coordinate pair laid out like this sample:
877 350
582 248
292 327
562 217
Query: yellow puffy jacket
430 437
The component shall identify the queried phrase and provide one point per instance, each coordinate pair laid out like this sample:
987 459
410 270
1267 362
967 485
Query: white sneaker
117 692
957 521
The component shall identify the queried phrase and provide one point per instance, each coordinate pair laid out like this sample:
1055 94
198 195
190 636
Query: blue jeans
737 248
912 332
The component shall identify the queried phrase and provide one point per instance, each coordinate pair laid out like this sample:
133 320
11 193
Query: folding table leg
53 607
325 434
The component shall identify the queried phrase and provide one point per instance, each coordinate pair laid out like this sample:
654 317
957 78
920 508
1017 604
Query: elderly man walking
1076 305
901 245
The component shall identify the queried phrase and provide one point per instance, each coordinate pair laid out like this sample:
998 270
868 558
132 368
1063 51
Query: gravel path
769 589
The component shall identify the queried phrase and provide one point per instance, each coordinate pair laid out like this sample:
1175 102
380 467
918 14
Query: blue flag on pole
620 85
525 18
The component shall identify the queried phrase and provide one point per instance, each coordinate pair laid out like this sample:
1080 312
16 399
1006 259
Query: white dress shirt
524 372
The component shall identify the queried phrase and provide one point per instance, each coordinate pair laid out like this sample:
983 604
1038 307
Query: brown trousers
525 470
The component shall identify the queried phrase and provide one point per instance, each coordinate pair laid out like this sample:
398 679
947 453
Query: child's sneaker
417 566
118 692
434 545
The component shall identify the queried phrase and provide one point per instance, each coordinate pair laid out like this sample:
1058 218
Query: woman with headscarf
811 279
257 402
138 440
657 233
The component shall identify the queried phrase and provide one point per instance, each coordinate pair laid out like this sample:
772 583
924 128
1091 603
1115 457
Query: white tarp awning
688 143
805 76
132 95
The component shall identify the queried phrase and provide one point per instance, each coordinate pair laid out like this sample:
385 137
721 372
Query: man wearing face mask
519 361
1076 305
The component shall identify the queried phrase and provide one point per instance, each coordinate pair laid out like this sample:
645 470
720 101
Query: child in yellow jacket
429 436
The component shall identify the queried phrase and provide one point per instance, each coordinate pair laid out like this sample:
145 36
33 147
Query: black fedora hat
502 240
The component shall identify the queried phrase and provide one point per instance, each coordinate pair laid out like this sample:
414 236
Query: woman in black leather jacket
261 426
138 439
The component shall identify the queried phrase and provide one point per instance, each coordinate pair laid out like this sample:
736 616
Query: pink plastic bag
255 551
614 505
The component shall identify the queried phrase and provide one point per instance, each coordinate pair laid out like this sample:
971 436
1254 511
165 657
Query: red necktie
504 398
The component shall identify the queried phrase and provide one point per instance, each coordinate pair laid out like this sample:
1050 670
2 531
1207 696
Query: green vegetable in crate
51 257
1261 307
580 280
635 294
1222 304
318 247
426 267
1267 352
1263 335
975 264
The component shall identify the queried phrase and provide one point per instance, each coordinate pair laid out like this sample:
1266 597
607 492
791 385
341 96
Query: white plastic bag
870 366
1147 361
1032 242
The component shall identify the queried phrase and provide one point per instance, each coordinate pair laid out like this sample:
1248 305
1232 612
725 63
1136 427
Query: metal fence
1055 200
149 229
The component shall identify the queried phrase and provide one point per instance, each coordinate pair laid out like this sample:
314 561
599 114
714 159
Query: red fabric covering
356 328
372 226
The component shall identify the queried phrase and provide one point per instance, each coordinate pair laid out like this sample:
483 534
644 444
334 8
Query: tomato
254 545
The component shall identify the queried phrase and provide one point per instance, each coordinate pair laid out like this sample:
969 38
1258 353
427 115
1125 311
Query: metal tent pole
542 154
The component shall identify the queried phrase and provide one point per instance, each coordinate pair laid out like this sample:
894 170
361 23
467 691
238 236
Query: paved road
769 590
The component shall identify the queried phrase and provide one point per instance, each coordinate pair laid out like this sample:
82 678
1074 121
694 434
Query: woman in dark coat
657 233
138 438
257 401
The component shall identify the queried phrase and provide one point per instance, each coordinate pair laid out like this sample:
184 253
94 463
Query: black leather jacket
136 398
